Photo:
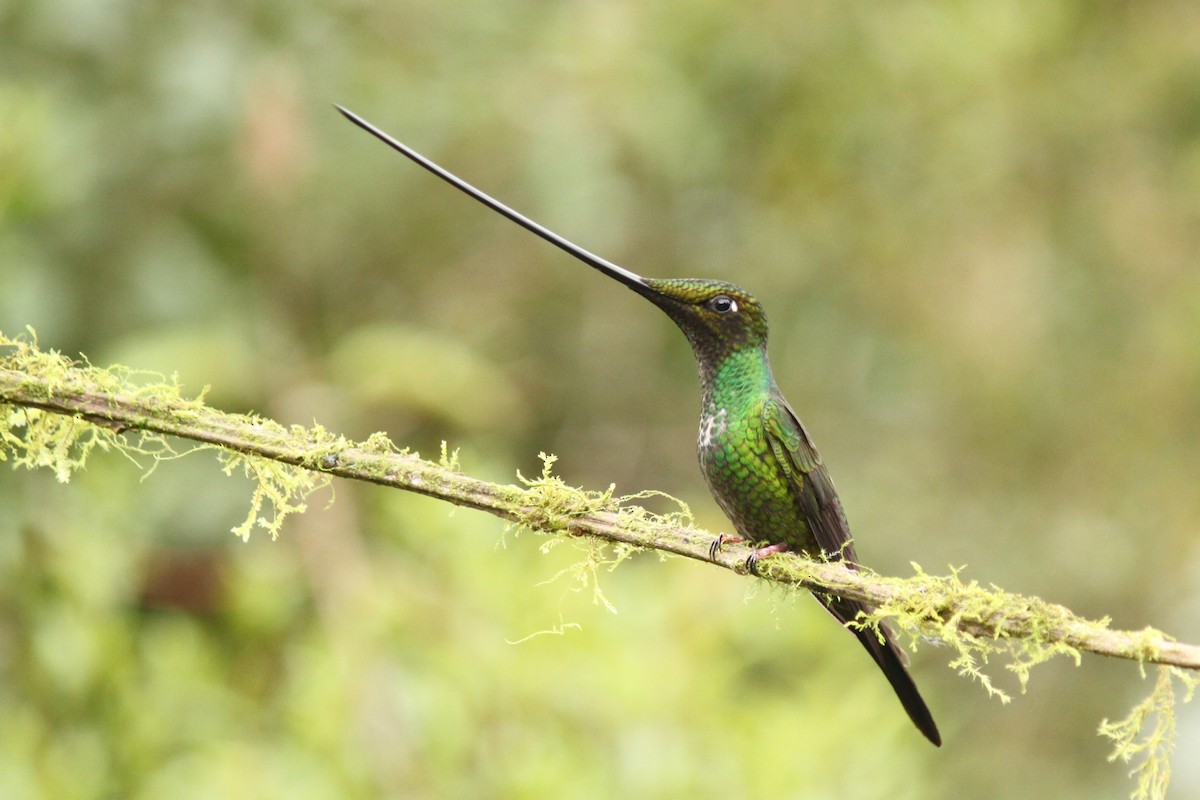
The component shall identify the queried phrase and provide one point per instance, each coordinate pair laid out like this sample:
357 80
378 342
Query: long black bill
631 279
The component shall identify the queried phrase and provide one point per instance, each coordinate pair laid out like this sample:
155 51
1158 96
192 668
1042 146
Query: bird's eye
723 304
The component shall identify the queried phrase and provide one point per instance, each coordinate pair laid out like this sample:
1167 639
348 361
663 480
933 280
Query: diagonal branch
935 606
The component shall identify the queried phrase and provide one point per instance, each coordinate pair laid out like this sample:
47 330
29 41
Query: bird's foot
720 541
763 552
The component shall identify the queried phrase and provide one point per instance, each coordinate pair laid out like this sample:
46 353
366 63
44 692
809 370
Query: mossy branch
54 411
75 394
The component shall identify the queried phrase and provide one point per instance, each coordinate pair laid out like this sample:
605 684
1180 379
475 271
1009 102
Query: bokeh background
976 228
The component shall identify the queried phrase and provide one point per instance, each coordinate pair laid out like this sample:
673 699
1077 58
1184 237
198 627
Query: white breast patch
712 425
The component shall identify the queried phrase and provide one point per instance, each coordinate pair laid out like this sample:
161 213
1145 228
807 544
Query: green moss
550 504
979 623
37 439
280 490
967 617
632 516
1147 734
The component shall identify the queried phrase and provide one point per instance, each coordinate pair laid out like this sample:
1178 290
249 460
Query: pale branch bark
1005 616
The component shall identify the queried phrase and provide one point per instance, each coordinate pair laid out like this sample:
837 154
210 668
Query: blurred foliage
976 226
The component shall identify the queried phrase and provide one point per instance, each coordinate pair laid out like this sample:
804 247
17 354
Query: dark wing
811 484
818 500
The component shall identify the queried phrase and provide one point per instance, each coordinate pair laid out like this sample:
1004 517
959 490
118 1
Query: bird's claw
761 553
722 539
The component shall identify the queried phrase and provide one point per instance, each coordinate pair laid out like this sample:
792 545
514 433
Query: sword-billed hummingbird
757 458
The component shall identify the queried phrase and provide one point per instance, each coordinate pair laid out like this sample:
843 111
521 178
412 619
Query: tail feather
891 659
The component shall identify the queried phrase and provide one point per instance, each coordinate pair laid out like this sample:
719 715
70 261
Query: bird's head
718 318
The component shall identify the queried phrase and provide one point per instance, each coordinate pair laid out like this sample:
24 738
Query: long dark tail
892 661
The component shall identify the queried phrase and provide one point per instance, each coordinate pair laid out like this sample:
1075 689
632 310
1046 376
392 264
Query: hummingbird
757 458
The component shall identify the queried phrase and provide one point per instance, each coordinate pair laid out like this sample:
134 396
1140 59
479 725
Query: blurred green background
976 228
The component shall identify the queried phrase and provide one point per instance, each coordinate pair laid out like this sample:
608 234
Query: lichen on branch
54 412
